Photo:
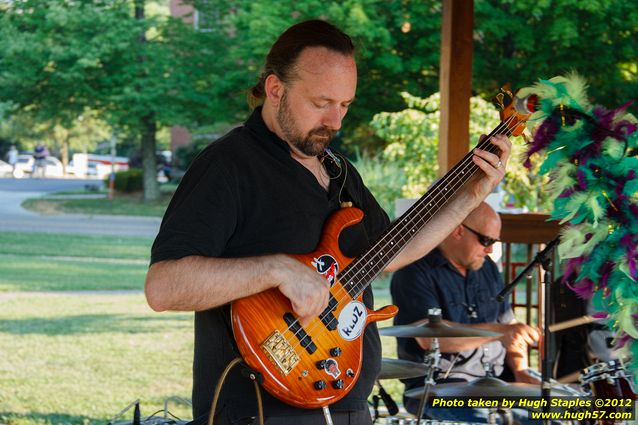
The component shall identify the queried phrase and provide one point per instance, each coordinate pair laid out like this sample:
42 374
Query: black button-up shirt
244 195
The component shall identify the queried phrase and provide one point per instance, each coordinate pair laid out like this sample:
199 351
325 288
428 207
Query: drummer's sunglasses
483 240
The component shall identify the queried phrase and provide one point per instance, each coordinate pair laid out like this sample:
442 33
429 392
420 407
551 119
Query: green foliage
128 181
389 60
412 146
412 137
385 179
524 40
528 188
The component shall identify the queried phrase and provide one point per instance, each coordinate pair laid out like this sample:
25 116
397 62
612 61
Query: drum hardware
390 404
543 258
560 386
432 359
436 329
167 419
401 369
487 387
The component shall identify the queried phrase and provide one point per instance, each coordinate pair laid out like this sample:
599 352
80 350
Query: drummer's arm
516 342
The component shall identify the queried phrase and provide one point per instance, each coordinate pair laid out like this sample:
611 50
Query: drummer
459 278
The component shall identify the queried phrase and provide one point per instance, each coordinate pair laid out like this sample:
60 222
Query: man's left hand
493 166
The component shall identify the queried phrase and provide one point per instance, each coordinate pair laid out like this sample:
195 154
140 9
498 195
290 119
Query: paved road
14 218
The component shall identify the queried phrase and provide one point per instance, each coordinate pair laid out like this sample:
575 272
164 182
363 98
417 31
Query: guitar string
454 181
504 125
420 205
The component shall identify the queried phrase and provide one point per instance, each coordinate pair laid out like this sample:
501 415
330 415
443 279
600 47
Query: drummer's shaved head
480 216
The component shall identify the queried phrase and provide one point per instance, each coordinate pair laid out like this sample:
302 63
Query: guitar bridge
280 352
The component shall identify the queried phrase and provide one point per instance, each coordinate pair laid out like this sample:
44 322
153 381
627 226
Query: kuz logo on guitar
328 267
352 320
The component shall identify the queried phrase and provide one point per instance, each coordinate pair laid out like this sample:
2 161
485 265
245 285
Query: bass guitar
317 364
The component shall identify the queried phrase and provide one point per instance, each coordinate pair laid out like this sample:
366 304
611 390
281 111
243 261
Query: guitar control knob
338 384
321 364
335 352
320 385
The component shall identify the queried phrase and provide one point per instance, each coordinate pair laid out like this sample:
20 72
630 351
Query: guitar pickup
304 339
330 321
327 318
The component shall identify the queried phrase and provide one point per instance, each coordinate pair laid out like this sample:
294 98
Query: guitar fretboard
365 268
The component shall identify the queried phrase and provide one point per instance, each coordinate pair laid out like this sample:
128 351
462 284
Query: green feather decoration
588 152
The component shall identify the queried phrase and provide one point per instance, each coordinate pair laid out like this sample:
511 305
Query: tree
524 40
59 59
399 47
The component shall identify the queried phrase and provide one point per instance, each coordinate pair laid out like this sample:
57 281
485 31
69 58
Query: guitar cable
218 390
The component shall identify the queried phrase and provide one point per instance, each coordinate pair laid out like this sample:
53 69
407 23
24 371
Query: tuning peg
498 100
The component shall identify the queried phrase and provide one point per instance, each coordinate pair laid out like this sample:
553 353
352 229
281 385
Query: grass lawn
121 204
19 273
50 262
74 245
68 357
80 359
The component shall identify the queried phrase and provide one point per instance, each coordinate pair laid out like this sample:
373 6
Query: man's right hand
519 335
308 292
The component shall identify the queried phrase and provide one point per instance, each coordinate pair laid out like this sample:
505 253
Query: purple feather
582 181
584 288
624 339
542 138
605 272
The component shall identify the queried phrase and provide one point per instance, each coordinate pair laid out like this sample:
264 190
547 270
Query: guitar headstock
515 110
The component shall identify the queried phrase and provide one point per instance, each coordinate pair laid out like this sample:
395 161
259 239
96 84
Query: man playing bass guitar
265 190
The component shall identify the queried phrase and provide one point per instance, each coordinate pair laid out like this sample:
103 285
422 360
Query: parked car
52 167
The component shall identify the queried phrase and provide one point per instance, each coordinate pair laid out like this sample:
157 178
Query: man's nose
334 117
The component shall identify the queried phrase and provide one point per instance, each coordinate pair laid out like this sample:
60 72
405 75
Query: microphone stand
545 259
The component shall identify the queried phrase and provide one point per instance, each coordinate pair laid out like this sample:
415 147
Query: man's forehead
319 60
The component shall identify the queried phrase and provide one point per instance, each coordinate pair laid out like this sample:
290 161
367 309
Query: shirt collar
436 259
256 124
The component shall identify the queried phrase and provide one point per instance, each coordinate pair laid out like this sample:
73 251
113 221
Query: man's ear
274 89
457 233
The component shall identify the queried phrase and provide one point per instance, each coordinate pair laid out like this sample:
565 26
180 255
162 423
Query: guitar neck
365 268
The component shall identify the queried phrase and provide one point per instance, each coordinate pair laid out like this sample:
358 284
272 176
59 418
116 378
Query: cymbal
401 369
485 387
435 330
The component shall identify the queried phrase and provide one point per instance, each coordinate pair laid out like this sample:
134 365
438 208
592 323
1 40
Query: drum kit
607 380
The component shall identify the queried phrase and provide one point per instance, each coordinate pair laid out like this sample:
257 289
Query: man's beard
313 143
476 265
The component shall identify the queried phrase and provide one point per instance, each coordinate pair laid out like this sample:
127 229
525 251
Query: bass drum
396 420
609 381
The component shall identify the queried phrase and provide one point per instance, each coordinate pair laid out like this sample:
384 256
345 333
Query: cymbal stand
544 259
432 361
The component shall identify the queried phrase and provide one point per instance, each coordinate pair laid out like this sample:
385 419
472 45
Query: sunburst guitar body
314 365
